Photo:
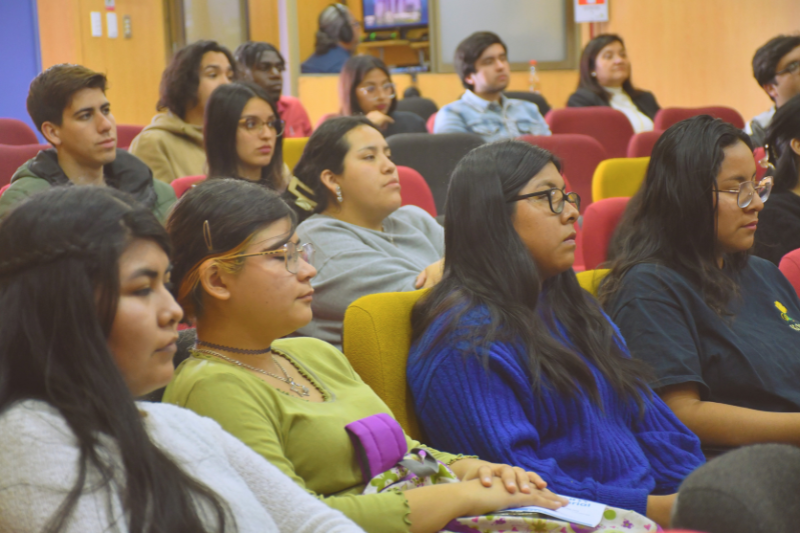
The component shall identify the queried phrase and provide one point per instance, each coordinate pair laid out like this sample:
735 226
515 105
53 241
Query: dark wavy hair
470 50
181 78
325 150
223 112
59 289
248 54
587 66
487 265
234 211
352 74
784 126
671 221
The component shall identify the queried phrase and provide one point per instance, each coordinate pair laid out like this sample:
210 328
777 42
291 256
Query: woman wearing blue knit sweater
514 362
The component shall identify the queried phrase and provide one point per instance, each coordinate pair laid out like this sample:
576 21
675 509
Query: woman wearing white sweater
89 324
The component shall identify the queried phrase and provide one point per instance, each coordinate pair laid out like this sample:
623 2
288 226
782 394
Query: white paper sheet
578 511
111 22
97 24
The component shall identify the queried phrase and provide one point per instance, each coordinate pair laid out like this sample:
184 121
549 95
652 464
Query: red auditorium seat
429 123
16 132
610 127
3 188
181 185
671 115
790 266
641 144
12 157
126 133
599 223
415 191
579 155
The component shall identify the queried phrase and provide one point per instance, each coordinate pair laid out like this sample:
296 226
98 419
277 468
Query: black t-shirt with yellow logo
750 359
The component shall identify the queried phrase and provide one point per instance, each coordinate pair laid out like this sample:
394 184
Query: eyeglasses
791 68
556 198
292 252
371 91
748 189
256 125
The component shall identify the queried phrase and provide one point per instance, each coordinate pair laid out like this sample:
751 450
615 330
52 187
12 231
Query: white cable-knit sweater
38 466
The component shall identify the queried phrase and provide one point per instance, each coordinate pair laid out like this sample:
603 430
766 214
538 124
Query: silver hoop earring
594 74
339 194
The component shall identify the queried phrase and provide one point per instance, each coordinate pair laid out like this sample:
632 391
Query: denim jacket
492 121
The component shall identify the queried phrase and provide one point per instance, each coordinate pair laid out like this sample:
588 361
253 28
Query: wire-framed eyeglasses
292 252
748 189
555 197
373 92
256 125
791 68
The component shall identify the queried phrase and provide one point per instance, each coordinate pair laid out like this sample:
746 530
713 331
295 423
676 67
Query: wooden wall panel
59 31
264 23
307 14
693 53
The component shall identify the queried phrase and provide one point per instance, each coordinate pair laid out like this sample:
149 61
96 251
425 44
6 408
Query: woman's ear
330 181
795 145
213 281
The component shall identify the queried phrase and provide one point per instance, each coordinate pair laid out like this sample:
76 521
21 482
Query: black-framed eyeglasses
256 125
555 197
791 68
292 252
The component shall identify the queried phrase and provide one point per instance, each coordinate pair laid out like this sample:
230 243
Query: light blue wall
21 57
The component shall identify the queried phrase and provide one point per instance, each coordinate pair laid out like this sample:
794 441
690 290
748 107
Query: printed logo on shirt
792 323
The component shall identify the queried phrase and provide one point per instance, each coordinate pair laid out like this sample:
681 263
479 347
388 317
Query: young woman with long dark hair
605 80
347 193
244 135
366 88
245 278
719 327
513 361
779 222
89 324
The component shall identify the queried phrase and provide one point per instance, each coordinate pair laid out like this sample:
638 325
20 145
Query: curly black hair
181 78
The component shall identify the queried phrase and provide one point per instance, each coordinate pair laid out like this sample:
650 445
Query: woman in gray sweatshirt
364 242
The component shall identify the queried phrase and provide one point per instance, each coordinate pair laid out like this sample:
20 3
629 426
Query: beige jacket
171 148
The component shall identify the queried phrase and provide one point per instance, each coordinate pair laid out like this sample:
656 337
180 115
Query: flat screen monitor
388 14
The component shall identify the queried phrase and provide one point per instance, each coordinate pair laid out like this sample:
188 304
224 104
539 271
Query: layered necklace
297 388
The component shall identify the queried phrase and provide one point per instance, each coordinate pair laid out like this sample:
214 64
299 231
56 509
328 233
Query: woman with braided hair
88 325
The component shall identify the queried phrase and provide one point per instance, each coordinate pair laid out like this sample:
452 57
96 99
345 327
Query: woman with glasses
244 136
346 192
512 360
366 88
245 277
89 325
779 223
263 64
719 328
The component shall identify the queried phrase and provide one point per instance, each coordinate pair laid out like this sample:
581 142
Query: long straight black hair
785 126
487 264
223 112
671 221
59 288
587 67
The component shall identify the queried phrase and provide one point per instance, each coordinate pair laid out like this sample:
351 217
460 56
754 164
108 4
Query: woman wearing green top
245 280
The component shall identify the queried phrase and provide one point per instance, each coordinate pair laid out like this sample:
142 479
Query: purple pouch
379 442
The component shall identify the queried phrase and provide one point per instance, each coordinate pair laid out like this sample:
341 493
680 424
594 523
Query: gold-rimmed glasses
256 125
292 251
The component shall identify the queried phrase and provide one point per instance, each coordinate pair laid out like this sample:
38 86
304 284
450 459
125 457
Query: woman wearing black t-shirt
721 329
779 224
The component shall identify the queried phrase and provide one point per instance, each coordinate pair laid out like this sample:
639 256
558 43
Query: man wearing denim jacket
482 65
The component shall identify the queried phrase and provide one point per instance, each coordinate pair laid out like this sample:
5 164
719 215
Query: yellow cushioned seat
590 279
292 150
376 341
614 178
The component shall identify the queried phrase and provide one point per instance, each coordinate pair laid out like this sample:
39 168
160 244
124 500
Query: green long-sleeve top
306 440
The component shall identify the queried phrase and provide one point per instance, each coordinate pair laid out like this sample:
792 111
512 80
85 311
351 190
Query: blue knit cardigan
612 455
